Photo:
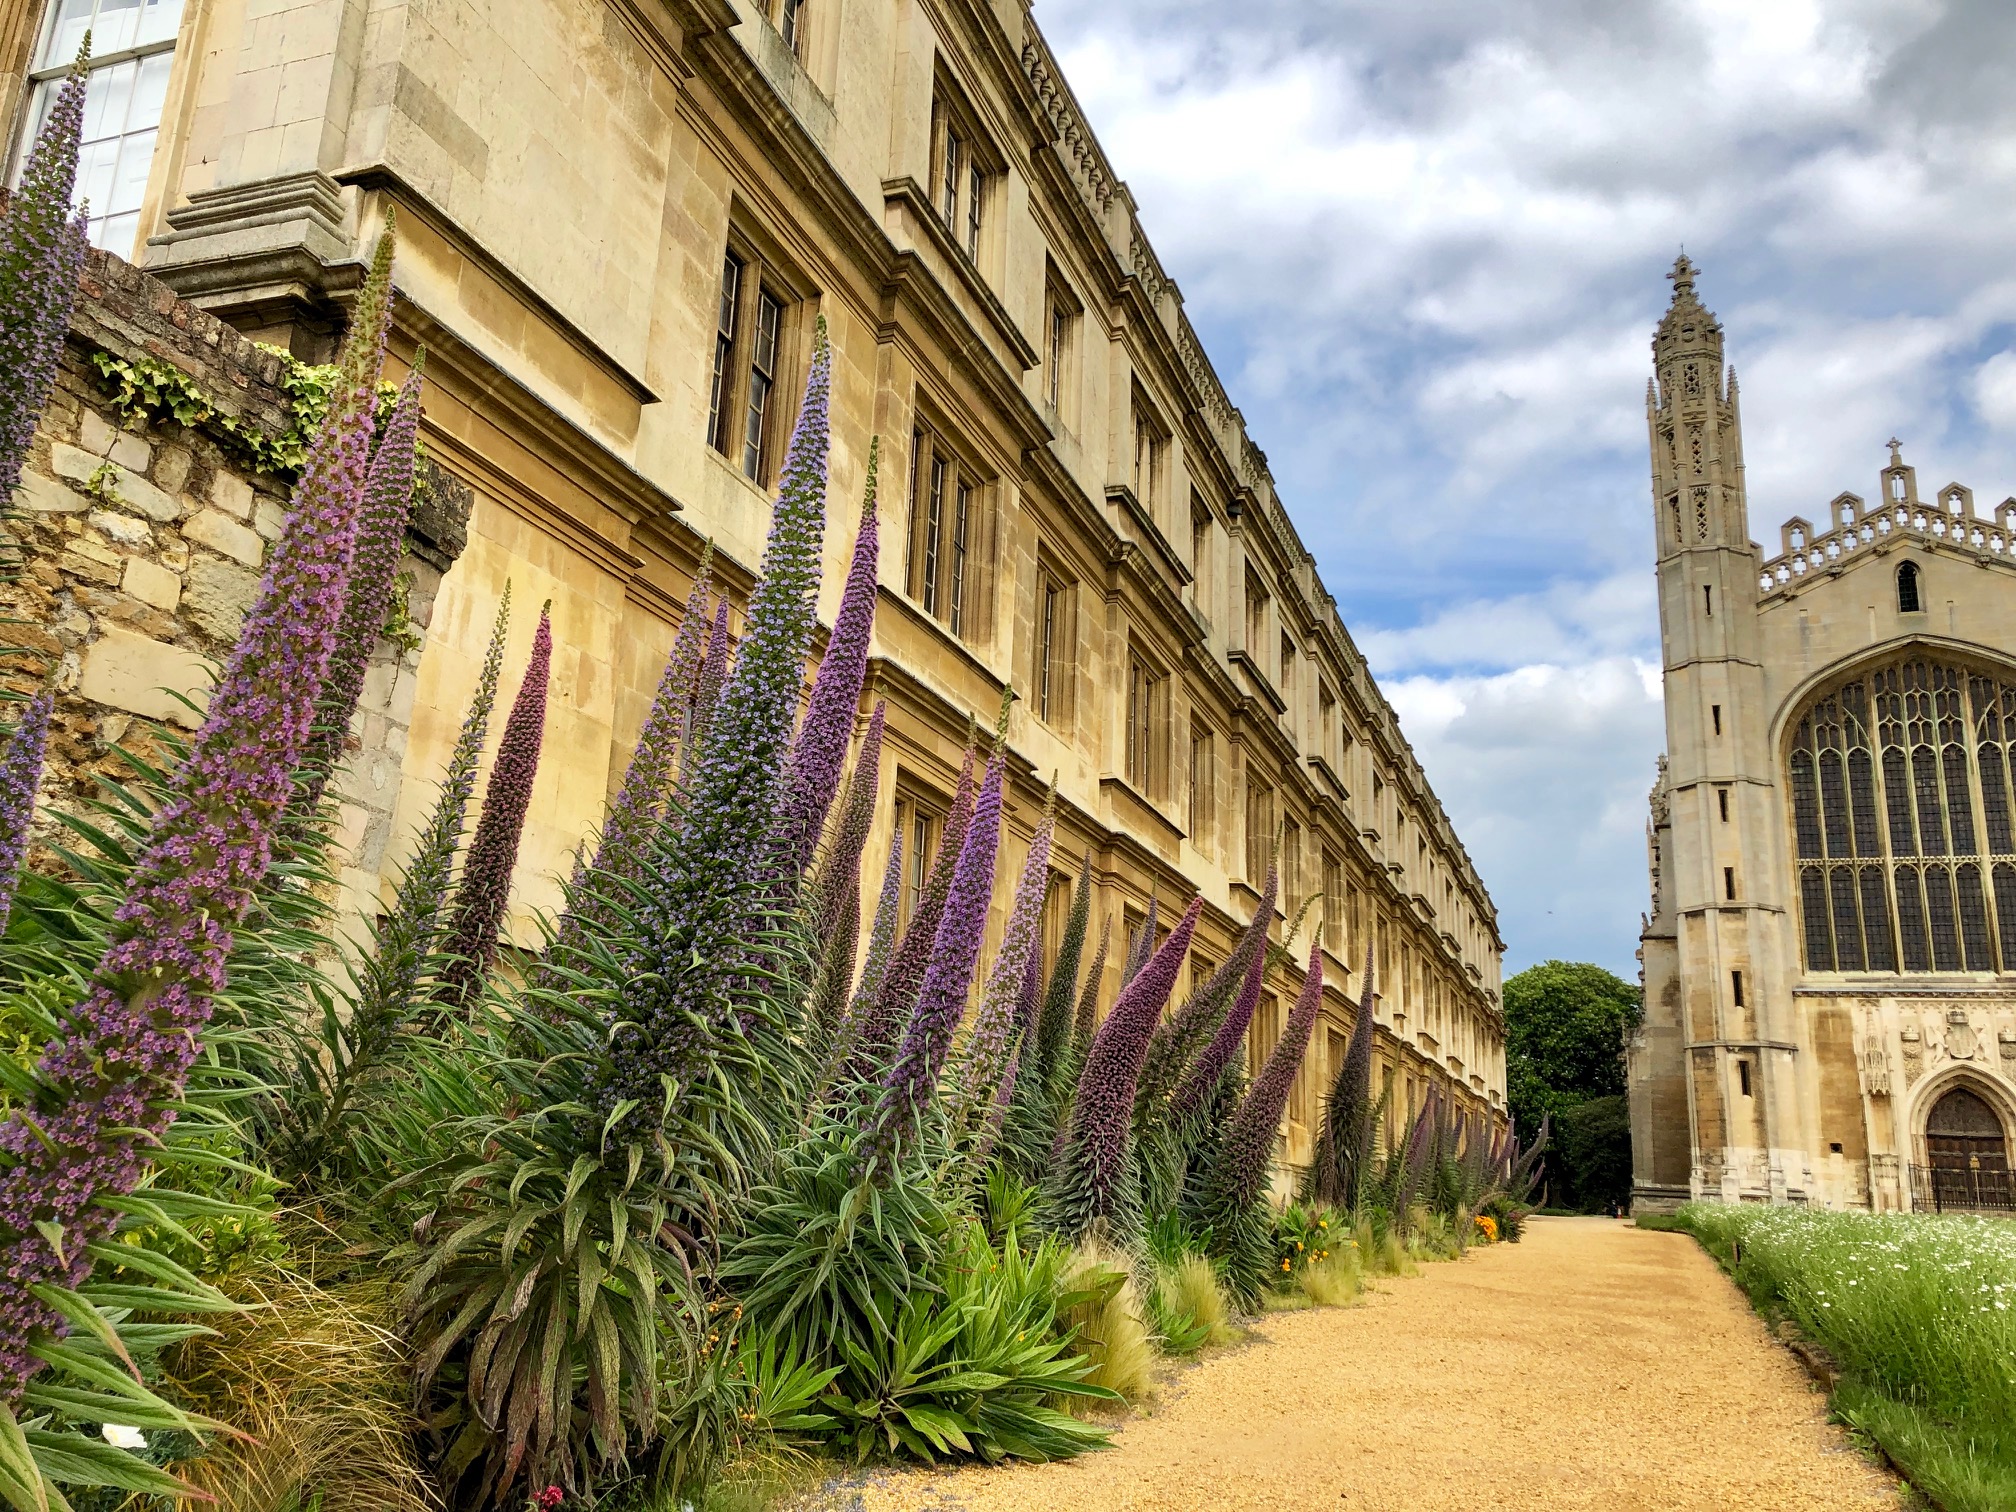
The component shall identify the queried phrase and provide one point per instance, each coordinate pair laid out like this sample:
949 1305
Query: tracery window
1901 817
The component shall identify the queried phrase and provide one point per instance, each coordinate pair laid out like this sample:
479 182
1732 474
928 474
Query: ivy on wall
146 391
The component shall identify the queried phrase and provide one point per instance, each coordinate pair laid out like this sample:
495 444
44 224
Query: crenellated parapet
1856 526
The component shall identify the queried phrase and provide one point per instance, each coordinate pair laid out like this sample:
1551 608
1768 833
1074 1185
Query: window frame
1144 724
1053 642
43 78
1901 818
766 310
1202 803
919 817
946 566
965 172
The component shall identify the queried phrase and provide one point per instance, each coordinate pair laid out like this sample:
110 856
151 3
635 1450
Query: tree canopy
1565 1023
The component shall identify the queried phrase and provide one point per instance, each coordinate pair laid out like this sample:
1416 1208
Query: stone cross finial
1682 275
1896 456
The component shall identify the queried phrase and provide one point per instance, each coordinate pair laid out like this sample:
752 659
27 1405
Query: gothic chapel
1830 958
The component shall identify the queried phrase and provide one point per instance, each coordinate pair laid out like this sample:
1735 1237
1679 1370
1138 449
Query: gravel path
1594 1365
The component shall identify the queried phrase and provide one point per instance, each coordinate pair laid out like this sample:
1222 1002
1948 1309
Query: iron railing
1941 1189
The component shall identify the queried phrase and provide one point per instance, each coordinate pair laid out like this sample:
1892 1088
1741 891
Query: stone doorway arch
1967 1153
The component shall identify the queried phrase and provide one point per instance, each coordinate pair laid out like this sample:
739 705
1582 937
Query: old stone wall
142 539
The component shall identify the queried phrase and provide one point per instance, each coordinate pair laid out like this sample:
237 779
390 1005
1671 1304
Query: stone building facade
1830 958
618 223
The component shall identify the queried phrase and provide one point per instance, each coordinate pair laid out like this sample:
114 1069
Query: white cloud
1424 245
1545 771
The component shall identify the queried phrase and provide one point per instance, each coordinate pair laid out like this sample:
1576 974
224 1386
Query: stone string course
141 552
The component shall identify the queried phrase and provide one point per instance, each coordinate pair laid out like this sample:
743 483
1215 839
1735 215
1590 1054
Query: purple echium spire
41 253
878 1022
1092 1176
948 979
20 777
1344 1139
821 748
707 682
106 1087
1224 1046
1085 1018
997 1029
623 848
1141 946
1249 1142
374 575
493 851
388 979
706 889
881 940
839 870
1191 1049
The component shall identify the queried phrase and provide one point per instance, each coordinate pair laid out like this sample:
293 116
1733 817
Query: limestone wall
142 546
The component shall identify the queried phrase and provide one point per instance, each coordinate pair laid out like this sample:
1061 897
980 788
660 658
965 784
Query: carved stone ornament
2006 1043
1914 1054
1875 1066
1961 1040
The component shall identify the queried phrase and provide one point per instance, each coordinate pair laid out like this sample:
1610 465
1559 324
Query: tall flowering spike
374 580
821 748
1420 1150
1085 1019
1142 945
623 849
1053 1019
707 886
836 963
1092 1178
881 934
1246 964
1344 1137
1224 1047
839 871
997 1030
389 978
485 888
1249 1142
875 1031
707 684
948 979
20 777
1193 1047
41 253
106 1086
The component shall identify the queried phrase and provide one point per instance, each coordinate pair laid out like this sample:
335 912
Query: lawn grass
1920 1314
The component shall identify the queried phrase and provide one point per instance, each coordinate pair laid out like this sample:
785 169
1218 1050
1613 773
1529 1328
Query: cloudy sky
1426 243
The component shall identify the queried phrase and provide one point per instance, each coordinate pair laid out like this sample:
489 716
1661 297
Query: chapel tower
1716 1097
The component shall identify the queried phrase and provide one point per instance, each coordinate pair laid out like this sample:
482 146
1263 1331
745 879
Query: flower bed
1920 1315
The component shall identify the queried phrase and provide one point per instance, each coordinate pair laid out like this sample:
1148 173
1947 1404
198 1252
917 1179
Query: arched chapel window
1908 601
1901 818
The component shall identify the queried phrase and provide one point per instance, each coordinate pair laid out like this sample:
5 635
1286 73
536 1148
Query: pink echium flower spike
948 979
997 1028
1249 1141
879 1022
374 580
820 750
485 888
1092 1176
839 870
20 778
623 848
42 245
881 941
1193 1049
106 1088
707 684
